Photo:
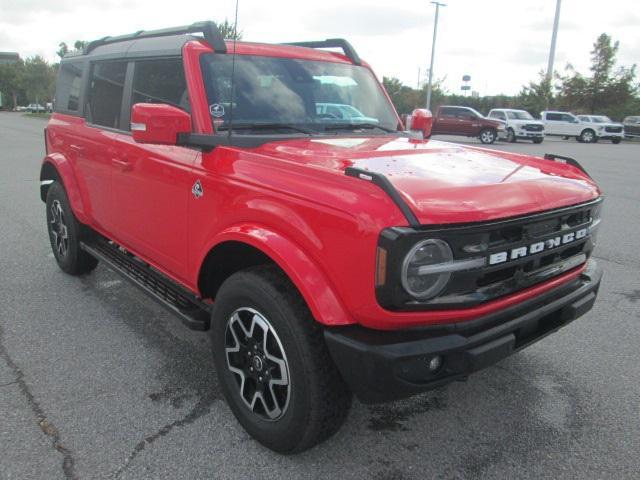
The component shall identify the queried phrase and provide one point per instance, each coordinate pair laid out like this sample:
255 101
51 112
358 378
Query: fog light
435 363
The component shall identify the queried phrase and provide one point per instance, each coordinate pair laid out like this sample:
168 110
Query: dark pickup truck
467 122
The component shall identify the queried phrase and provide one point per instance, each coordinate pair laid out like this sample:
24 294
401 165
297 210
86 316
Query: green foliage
11 83
228 30
38 79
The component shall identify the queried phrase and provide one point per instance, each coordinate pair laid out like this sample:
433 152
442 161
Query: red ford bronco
327 255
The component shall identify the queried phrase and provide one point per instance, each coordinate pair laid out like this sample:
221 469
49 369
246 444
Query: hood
447 183
519 121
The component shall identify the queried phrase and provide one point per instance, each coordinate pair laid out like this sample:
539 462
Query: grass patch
44 115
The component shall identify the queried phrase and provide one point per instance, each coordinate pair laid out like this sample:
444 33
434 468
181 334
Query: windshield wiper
357 126
266 126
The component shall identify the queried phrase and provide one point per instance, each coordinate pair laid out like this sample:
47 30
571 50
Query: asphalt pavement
97 381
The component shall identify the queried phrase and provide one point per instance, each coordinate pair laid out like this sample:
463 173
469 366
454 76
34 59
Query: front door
151 184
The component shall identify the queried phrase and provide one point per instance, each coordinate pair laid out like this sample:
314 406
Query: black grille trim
474 287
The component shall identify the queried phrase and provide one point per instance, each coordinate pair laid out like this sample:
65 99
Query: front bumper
381 366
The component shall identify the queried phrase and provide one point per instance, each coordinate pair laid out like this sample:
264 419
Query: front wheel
511 136
616 140
538 140
588 136
65 234
274 368
488 136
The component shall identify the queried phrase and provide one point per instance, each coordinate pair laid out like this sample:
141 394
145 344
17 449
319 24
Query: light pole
554 36
433 51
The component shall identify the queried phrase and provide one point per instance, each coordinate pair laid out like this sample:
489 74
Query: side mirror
158 123
421 120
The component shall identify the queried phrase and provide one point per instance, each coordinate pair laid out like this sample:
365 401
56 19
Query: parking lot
97 381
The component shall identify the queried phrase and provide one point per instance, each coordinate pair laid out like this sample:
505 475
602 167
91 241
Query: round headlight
426 253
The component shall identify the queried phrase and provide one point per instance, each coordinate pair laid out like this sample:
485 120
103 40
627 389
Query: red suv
326 256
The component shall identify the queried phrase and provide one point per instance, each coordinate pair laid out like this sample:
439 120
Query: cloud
366 19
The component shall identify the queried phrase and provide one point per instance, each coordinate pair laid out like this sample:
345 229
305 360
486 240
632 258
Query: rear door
447 120
152 183
94 146
554 124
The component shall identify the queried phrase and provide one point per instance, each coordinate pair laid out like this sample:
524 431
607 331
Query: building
8 57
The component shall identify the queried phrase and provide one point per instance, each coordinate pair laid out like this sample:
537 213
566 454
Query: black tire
616 140
488 136
511 136
537 140
567 138
316 401
588 136
65 233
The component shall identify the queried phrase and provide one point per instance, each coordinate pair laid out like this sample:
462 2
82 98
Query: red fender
68 178
312 283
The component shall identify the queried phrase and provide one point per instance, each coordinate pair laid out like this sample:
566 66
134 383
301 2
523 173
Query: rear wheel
488 136
273 365
65 234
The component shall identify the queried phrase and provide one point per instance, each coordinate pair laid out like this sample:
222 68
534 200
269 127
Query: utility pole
433 51
554 36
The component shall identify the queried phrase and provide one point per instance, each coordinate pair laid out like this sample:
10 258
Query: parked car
632 127
612 131
325 258
35 108
565 124
341 111
20 108
465 121
519 125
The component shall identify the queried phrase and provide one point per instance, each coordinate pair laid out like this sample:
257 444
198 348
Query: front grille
492 281
613 129
533 127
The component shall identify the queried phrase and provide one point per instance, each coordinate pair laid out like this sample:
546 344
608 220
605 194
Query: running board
193 312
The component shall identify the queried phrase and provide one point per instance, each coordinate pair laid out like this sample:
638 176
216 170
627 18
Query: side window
568 118
499 115
448 112
556 117
105 93
465 114
68 87
160 81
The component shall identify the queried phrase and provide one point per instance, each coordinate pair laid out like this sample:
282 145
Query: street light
433 51
554 36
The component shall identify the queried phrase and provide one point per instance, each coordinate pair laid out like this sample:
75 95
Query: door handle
123 165
76 148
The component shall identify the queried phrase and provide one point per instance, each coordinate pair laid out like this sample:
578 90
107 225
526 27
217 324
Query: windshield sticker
217 110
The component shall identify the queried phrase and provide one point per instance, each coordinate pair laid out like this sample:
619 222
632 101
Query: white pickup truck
612 131
565 124
519 124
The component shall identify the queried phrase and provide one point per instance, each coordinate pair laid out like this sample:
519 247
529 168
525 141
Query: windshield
302 95
519 115
601 119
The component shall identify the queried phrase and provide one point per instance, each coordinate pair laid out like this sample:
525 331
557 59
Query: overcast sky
502 44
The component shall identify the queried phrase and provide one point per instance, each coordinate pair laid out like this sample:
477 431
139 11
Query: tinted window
160 81
448 112
465 114
557 117
567 118
105 93
68 89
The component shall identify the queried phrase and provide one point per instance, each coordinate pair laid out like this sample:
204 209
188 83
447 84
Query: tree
537 96
11 81
39 79
228 30
63 50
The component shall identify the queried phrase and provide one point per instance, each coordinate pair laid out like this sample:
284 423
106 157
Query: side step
193 312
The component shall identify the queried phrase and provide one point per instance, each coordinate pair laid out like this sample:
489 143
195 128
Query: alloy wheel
59 228
257 360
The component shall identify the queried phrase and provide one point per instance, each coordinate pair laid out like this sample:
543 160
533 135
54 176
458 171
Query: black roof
143 47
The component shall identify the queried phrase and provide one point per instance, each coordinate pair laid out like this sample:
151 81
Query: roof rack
209 29
346 47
